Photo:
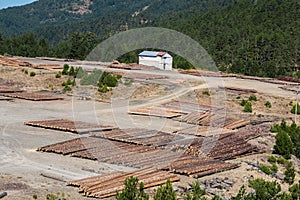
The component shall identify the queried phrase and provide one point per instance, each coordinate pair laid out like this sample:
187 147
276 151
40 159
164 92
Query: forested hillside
259 37
249 37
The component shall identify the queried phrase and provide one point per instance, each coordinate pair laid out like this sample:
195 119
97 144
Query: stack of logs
104 186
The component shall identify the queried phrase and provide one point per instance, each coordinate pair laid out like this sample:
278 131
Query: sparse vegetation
272 159
252 98
287 139
32 74
132 191
196 194
293 110
165 192
268 104
248 107
58 75
206 92
289 173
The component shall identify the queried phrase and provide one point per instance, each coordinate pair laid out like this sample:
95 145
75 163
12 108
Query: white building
161 60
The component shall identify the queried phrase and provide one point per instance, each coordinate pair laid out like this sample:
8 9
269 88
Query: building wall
157 62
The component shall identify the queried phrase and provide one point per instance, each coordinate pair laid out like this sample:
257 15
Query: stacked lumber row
9 90
204 131
157 111
34 96
48 66
6 61
132 66
226 146
289 79
212 119
193 168
238 90
68 125
132 155
140 136
104 186
188 107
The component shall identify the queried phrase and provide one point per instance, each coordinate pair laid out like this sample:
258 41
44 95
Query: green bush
206 92
26 71
272 159
281 160
243 102
274 168
293 110
252 98
132 191
58 75
65 70
32 74
248 107
197 192
283 145
165 192
67 88
265 169
289 173
295 191
268 104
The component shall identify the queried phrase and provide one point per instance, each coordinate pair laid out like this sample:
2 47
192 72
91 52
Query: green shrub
274 168
132 191
272 159
293 110
196 193
165 192
67 88
58 75
252 98
248 107
268 104
283 145
65 70
206 92
32 74
281 160
265 169
289 173
243 102
26 71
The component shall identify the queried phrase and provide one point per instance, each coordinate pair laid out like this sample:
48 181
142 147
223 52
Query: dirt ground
25 172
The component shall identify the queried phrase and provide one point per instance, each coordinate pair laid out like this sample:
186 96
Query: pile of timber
158 111
104 186
133 155
132 66
225 146
9 90
187 107
48 66
34 96
202 166
68 126
204 131
238 90
7 61
140 136
289 79
213 119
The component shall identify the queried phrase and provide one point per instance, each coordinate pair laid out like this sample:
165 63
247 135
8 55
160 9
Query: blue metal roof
149 53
